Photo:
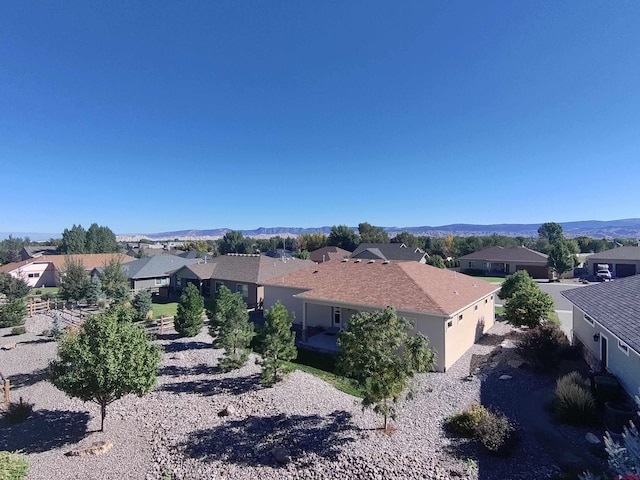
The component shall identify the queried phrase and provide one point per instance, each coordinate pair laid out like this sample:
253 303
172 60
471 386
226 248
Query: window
623 346
162 281
243 289
475 307
34 275
486 300
459 318
473 265
589 320
218 286
449 324
491 297
337 316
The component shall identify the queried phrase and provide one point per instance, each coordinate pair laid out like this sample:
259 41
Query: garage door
625 269
535 271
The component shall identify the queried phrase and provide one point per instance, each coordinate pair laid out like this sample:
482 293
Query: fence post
7 387
48 305
161 324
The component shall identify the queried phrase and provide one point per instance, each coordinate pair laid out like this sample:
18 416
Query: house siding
462 334
285 295
625 367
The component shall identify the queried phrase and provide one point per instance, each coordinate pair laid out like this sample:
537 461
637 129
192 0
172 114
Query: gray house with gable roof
505 261
152 273
606 321
389 251
622 261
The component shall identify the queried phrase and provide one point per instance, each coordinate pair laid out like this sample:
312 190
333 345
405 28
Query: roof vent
345 260
315 271
386 262
455 292
371 261
357 260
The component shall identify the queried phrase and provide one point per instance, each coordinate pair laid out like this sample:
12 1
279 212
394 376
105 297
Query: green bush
18 412
13 466
572 401
18 330
543 347
466 423
497 434
38 292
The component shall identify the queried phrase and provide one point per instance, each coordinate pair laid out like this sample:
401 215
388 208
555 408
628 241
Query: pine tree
230 328
278 344
188 320
142 305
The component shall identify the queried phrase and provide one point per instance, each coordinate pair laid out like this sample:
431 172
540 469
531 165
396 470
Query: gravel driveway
176 432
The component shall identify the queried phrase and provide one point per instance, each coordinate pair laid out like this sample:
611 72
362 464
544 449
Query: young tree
142 305
10 248
115 283
74 282
370 234
514 283
343 237
378 353
561 259
94 291
278 343
188 320
13 288
105 361
13 313
529 306
437 261
230 328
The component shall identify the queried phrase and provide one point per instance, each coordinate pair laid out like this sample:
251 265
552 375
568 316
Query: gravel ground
176 432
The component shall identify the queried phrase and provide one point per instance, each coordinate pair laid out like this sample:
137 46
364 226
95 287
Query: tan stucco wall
462 334
45 271
625 367
285 296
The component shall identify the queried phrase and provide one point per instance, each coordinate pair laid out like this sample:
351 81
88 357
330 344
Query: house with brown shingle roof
326 254
505 261
45 270
452 309
244 273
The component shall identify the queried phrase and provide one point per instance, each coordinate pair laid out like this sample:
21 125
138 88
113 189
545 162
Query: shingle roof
615 305
409 286
247 268
620 253
326 254
507 254
387 251
89 260
156 266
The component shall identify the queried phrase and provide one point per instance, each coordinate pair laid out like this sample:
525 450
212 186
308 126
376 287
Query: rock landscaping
200 423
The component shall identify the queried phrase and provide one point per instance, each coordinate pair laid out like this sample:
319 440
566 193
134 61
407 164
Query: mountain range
625 228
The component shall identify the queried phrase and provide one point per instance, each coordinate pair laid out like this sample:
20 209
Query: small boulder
9 346
227 411
505 377
281 455
97 448
591 438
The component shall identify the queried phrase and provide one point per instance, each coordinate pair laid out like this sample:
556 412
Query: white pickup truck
603 273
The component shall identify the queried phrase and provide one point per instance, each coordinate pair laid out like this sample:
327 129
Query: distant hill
625 228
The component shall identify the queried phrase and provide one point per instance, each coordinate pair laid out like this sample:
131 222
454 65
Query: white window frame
160 282
589 320
623 347
336 314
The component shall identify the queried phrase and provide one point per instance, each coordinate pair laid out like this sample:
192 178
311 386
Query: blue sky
159 116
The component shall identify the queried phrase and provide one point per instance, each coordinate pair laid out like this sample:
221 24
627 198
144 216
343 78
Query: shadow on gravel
27 379
38 341
184 346
166 336
234 386
179 371
44 430
249 441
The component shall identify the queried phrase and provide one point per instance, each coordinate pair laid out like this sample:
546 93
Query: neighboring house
150 252
280 253
389 251
151 273
244 273
505 261
326 254
37 251
452 309
606 321
45 270
622 261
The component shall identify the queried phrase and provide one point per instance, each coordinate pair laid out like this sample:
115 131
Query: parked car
603 275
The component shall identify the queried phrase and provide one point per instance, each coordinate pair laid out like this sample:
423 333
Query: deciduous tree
230 328
561 259
278 343
378 353
529 306
343 237
74 281
231 242
370 234
188 319
105 361
73 241
115 283
408 239
100 239
514 283
14 288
